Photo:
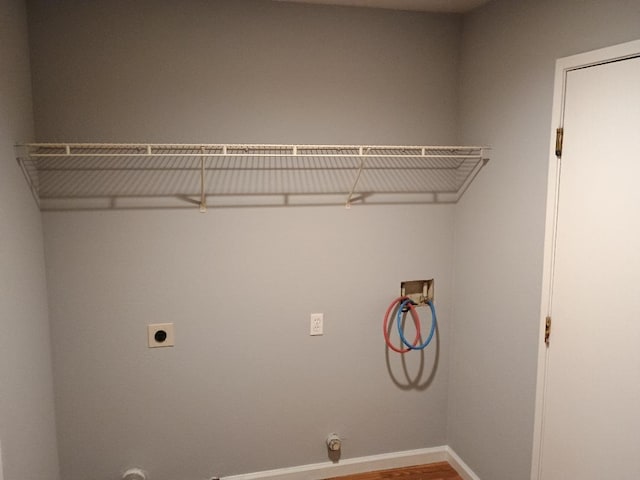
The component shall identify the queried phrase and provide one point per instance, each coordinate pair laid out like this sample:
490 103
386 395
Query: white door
591 408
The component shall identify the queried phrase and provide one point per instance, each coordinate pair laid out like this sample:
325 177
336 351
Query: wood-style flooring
433 471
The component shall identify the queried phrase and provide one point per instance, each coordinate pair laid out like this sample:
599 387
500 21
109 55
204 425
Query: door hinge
559 139
547 330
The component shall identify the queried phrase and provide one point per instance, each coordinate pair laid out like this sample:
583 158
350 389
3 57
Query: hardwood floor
433 471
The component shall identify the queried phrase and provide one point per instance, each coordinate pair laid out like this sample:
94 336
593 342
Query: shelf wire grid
112 171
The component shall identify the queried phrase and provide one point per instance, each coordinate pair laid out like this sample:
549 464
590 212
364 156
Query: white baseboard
318 471
463 469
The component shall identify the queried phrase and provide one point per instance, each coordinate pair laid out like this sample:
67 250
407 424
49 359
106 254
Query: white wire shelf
66 176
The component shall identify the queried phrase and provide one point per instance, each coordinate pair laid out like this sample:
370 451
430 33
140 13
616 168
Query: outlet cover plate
316 324
160 335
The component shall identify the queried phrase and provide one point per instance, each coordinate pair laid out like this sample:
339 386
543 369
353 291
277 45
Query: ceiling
448 6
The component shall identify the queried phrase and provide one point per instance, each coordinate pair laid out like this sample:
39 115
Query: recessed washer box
160 335
420 291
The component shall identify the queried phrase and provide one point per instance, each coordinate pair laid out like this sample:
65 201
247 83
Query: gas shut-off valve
334 443
134 474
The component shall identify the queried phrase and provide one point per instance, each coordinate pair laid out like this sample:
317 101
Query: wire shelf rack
110 176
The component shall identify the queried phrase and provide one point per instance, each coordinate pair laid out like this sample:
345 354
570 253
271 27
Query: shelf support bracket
355 183
203 197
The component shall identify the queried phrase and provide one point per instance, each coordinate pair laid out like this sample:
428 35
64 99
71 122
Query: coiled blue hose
431 332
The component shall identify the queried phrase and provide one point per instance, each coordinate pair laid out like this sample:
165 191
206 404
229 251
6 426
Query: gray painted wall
508 62
27 427
242 71
245 388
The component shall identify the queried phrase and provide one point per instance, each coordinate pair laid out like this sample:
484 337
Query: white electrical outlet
316 325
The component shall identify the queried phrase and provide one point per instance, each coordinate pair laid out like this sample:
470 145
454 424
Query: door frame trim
563 67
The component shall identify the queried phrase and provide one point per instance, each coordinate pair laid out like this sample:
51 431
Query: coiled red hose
385 325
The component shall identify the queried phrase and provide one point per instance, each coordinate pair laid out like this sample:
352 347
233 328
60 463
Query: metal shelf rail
70 176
